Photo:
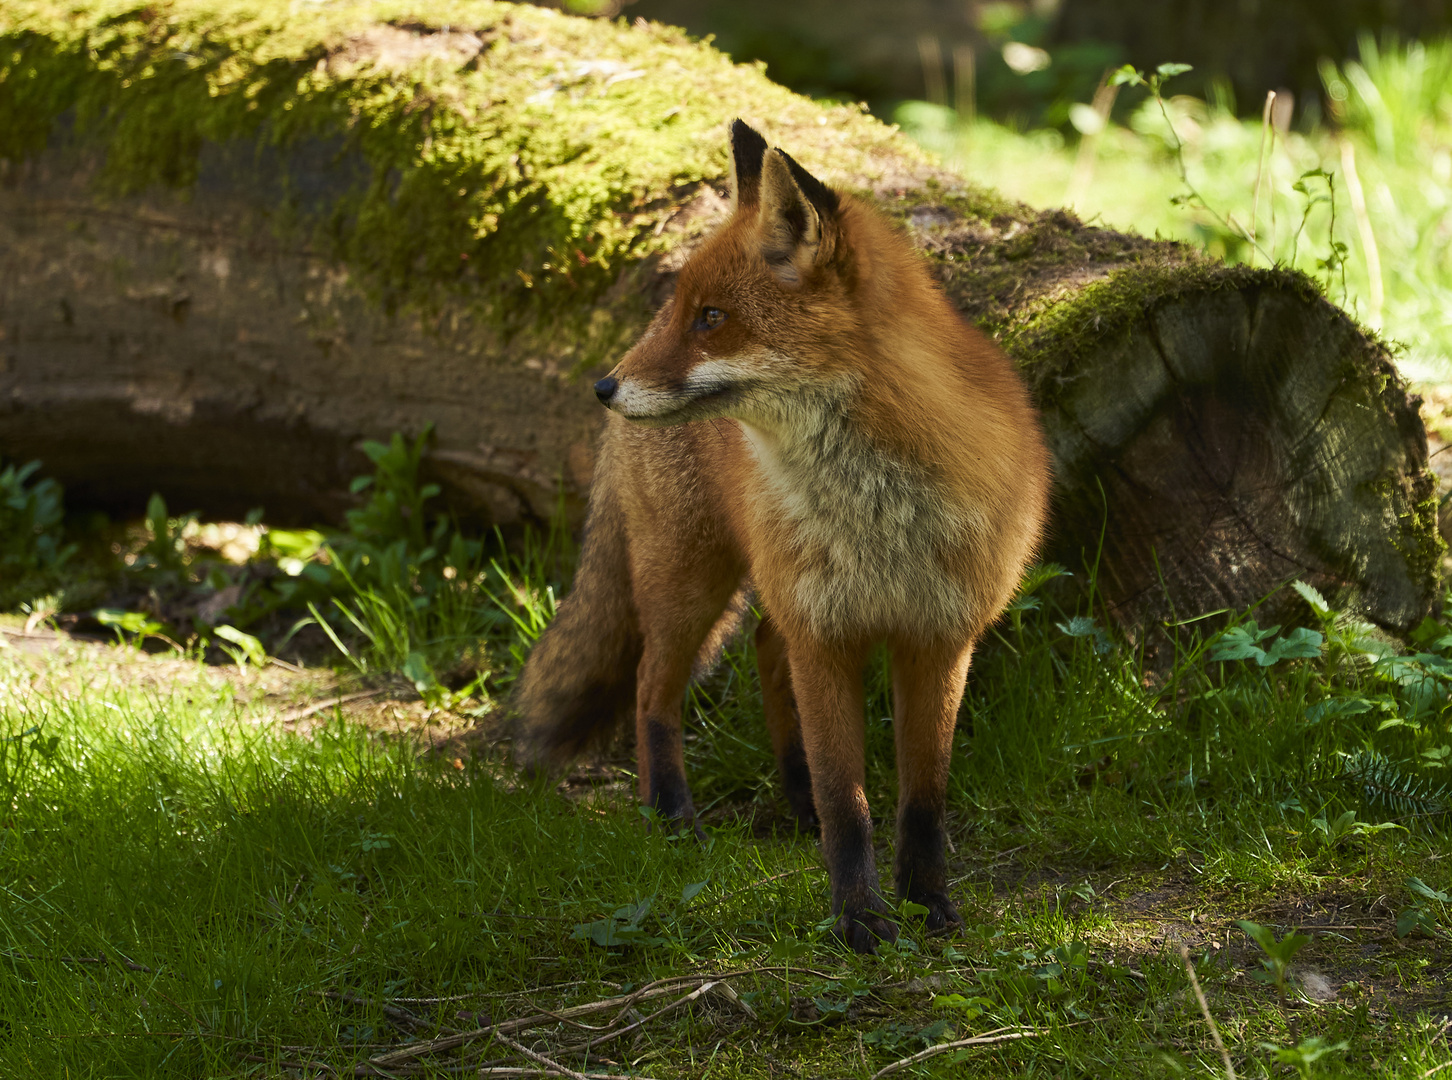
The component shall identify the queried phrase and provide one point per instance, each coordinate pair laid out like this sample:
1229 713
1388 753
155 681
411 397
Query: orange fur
810 417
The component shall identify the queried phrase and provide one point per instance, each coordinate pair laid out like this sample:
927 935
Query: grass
1391 121
188 889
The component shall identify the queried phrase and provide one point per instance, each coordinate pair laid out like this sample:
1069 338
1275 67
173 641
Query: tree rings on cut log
1231 440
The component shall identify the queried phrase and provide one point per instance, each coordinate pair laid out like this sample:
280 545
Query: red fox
809 419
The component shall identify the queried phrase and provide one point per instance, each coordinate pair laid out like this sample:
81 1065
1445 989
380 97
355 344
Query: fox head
766 306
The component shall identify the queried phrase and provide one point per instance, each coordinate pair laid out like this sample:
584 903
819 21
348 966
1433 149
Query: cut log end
1233 441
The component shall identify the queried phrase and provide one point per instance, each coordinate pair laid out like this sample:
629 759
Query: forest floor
204 874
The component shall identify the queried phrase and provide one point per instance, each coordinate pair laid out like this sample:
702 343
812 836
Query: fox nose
605 389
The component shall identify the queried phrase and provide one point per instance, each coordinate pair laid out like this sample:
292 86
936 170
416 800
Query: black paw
942 916
862 931
804 813
675 824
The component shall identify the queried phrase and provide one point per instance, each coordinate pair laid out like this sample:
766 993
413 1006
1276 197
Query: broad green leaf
1299 644
1421 888
1412 919
250 647
1332 707
1126 75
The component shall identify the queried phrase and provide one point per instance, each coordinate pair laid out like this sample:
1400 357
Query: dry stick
327 703
997 1035
659 988
130 966
1205 1012
511 1070
610 1036
512 1027
313 1066
1363 227
666 985
965 83
1265 126
433 1000
367 918
1436 1069
747 888
540 1059
137 1035
935 84
393 1012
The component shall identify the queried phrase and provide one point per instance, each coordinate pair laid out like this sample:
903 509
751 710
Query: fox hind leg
927 689
784 723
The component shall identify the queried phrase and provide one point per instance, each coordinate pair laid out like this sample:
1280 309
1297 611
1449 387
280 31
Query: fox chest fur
861 542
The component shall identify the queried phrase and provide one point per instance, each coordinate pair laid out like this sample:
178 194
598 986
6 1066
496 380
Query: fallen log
233 248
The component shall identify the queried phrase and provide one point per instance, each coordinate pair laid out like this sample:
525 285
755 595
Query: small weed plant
33 548
1355 195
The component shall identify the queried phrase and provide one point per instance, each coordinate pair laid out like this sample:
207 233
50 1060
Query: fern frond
1382 783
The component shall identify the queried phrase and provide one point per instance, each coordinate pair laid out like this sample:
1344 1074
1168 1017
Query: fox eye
709 319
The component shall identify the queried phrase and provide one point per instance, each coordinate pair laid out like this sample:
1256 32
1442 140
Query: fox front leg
828 687
927 686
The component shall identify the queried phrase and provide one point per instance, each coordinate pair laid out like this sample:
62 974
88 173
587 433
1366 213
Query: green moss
504 152
1060 325
1418 539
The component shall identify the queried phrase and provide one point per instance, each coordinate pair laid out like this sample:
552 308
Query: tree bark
1217 431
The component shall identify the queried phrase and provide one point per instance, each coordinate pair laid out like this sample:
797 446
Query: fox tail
579 681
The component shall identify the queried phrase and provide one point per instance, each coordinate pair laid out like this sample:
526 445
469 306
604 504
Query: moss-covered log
233 245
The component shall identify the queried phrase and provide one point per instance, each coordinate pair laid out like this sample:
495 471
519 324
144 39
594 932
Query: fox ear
747 150
797 224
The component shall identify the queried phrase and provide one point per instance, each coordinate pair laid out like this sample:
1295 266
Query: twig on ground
1436 1069
747 888
653 989
134 1035
312 1066
536 990
433 1000
998 860
727 991
101 960
782 967
393 1012
514 1070
611 1035
513 1027
367 918
988 1038
327 703
540 1059
1205 1012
